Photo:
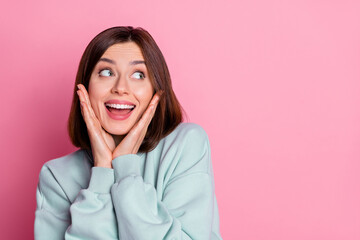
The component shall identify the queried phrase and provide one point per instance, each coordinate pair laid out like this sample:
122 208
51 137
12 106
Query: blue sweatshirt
167 193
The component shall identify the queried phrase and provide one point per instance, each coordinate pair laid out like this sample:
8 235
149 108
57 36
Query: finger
150 111
90 118
86 115
81 101
140 140
152 108
81 95
84 93
146 120
83 89
84 103
85 111
86 99
147 115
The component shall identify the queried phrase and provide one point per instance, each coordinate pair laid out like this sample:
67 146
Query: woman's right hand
102 143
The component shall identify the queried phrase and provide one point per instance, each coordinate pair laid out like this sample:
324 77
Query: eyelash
143 74
112 74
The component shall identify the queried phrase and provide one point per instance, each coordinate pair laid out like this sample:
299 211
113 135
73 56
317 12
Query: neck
117 139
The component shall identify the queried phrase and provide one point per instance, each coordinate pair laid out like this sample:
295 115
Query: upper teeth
120 106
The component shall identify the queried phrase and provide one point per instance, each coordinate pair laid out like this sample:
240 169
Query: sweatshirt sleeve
91 215
52 208
185 209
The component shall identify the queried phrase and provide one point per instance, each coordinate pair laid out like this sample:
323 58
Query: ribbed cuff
126 165
101 179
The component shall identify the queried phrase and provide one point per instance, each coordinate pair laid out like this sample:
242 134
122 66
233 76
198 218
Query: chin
118 130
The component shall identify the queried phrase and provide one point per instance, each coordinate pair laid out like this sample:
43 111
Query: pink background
276 85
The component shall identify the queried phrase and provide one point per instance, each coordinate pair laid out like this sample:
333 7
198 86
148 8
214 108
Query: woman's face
120 88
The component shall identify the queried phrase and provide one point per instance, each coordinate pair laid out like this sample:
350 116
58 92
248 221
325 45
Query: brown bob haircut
169 113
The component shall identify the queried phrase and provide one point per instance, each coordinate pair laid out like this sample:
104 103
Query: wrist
102 163
118 153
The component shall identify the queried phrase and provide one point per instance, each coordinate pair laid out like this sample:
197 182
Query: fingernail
78 86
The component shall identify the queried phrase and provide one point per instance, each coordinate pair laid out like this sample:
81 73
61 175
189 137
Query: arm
184 210
91 216
51 216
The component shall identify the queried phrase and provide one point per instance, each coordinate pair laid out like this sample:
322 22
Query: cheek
144 93
144 96
94 97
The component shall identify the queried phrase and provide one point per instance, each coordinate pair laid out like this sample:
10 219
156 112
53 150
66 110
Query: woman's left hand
131 143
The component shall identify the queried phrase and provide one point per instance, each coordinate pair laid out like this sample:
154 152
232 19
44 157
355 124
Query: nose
120 86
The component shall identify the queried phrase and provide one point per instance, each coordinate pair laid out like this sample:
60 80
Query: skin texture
124 78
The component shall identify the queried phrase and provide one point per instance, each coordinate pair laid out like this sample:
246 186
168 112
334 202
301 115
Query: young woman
140 173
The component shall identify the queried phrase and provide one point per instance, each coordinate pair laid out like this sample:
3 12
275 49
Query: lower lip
118 116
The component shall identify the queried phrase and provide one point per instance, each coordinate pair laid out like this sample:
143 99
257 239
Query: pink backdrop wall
276 84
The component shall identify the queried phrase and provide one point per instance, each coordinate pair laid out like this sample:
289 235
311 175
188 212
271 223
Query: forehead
127 50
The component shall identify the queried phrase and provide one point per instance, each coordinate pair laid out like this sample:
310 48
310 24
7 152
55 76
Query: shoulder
69 172
70 164
186 149
66 160
189 132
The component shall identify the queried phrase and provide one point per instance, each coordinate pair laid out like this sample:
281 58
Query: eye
106 73
138 75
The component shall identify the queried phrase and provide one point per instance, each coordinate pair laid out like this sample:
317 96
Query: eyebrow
107 60
135 62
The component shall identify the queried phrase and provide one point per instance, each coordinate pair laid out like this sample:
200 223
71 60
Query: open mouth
119 109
